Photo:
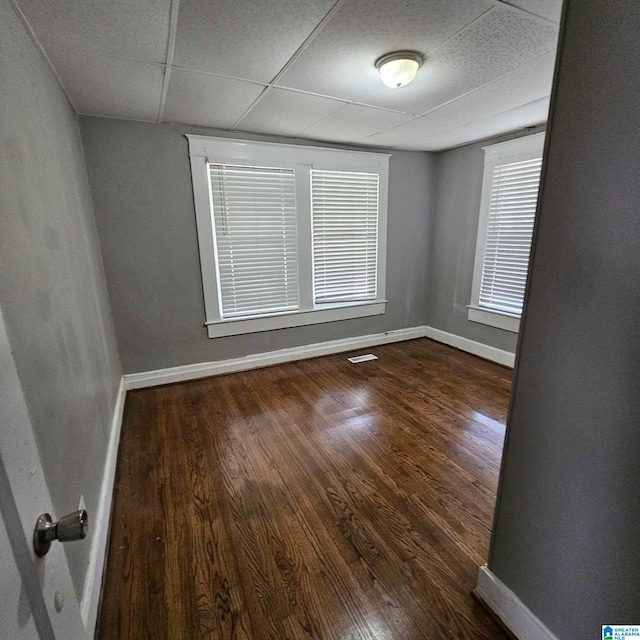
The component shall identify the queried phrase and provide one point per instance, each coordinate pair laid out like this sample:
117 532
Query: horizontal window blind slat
520 178
504 247
254 252
504 297
515 310
246 292
502 292
508 260
515 252
356 264
494 279
493 282
501 269
510 235
516 177
355 241
346 297
517 167
508 306
249 304
505 226
515 292
345 283
250 313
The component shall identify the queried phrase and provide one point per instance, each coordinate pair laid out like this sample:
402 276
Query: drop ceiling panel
482 57
340 60
526 115
354 122
286 113
412 134
496 44
208 101
249 39
550 9
526 84
113 87
135 29
411 98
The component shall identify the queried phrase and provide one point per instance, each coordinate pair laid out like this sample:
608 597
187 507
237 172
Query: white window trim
301 158
517 150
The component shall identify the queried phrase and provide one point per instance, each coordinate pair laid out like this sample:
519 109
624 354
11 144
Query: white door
37 598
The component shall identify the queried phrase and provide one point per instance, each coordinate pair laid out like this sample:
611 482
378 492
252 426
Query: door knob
71 527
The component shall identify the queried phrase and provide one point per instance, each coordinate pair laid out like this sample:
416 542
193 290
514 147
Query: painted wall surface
52 289
455 231
141 187
567 525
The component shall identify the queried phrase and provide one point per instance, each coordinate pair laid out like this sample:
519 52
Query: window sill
235 327
494 319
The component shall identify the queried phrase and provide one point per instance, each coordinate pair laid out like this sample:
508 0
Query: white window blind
254 214
345 235
512 208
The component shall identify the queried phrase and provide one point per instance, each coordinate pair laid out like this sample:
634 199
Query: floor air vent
368 356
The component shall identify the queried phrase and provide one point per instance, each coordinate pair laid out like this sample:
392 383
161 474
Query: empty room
318 319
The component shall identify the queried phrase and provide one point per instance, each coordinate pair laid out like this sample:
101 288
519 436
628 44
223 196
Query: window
505 229
344 209
254 213
288 235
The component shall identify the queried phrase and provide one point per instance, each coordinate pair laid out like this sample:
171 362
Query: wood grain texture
317 499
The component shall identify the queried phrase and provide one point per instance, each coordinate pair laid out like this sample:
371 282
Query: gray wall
455 228
52 289
567 525
141 186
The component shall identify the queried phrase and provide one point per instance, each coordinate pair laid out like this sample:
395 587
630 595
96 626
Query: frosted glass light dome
399 68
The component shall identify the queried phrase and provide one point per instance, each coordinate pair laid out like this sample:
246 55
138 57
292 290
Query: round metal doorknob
70 527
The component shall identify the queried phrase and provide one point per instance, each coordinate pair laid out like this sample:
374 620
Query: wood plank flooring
317 499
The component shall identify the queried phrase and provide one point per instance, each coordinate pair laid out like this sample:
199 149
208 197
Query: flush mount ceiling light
398 68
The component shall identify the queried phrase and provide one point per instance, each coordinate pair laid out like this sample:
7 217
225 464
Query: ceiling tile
354 122
135 29
526 84
527 115
112 87
550 9
412 134
496 44
205 100
249 39
287 112
340 60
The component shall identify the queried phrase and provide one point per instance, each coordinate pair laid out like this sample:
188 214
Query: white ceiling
305 68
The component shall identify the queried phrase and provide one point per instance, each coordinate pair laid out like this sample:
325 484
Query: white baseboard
100 524
206 369
505 358
510 609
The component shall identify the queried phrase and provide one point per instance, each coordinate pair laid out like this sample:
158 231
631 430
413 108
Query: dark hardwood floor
317 499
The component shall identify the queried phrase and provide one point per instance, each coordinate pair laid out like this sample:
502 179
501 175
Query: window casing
288 235
505 229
